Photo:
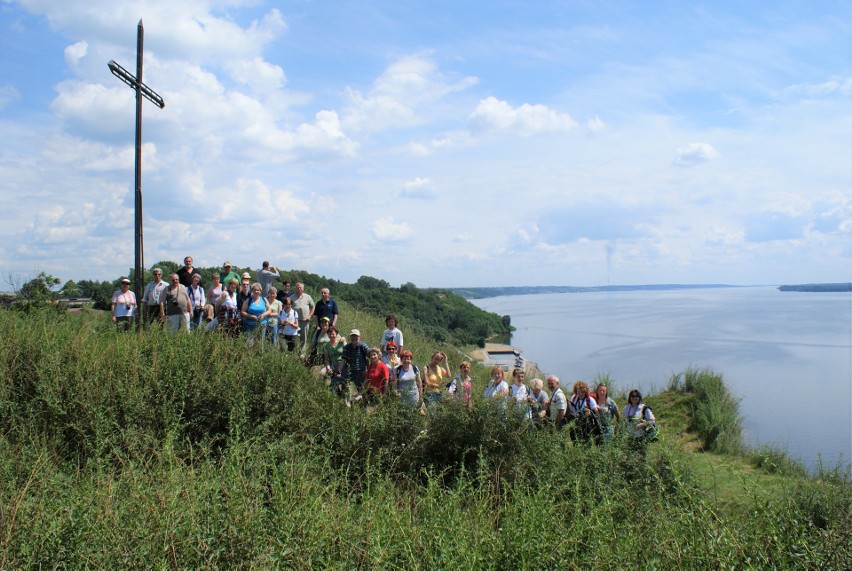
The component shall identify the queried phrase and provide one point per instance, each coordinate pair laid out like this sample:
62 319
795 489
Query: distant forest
818 287
437 313
483 292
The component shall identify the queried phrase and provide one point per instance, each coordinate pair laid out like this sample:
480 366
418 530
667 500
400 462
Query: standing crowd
282 319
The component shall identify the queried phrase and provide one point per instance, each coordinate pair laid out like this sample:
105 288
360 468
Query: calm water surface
787 355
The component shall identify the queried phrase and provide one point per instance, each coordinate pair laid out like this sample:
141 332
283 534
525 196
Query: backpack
587 425
652 431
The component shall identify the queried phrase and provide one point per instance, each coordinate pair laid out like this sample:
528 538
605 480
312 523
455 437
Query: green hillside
138 451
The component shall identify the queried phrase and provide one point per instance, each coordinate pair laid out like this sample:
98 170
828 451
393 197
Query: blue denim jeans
270 333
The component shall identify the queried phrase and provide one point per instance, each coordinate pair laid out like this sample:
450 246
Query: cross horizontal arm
130 80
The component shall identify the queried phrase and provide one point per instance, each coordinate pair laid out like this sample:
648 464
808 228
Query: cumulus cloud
386 230
695 154
257 73
493 114
75 52
419 188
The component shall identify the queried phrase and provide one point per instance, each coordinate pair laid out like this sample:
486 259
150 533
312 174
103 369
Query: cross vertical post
142 90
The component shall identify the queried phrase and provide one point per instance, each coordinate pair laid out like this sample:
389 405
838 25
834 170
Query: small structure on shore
504 355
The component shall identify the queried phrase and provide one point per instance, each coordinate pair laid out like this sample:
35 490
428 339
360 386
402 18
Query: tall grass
715 411
126 451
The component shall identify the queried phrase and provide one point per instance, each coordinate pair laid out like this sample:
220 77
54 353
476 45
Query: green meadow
147 451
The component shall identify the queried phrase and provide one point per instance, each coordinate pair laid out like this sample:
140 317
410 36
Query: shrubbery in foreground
126 451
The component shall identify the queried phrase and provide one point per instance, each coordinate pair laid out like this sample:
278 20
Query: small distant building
505 356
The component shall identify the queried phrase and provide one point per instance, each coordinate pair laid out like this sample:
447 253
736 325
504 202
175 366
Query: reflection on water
787 355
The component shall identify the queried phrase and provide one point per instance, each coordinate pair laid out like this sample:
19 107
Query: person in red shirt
376 376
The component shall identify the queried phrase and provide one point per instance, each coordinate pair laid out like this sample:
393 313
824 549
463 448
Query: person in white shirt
198 300
392 333
518 390
151 298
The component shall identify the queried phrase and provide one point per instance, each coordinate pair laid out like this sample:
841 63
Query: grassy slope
316 489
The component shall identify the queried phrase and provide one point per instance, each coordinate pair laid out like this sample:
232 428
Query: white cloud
419 188
260 75
75 52
493 114
694 154
386 230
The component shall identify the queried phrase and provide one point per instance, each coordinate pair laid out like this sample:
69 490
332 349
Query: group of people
355 371
360 372
232 303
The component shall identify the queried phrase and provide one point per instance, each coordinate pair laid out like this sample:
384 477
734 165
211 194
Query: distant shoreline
835 287
486 292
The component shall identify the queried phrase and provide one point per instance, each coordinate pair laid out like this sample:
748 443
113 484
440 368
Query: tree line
439 314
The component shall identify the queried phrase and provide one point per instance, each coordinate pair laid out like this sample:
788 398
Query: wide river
787 355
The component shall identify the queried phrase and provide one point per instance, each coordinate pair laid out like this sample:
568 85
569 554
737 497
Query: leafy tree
99 292
368 282
71 289
40 288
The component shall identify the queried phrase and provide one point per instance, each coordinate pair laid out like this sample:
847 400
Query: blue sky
441 143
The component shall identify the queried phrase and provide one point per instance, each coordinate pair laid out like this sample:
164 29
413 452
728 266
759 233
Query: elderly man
265 276
326 307
557 406
304 306
175 306
151 297
187 271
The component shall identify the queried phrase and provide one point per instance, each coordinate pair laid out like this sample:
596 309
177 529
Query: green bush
715 412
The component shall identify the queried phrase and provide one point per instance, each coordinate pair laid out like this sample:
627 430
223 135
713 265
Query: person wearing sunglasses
640 419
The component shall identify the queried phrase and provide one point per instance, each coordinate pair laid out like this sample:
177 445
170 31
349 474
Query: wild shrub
715 411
